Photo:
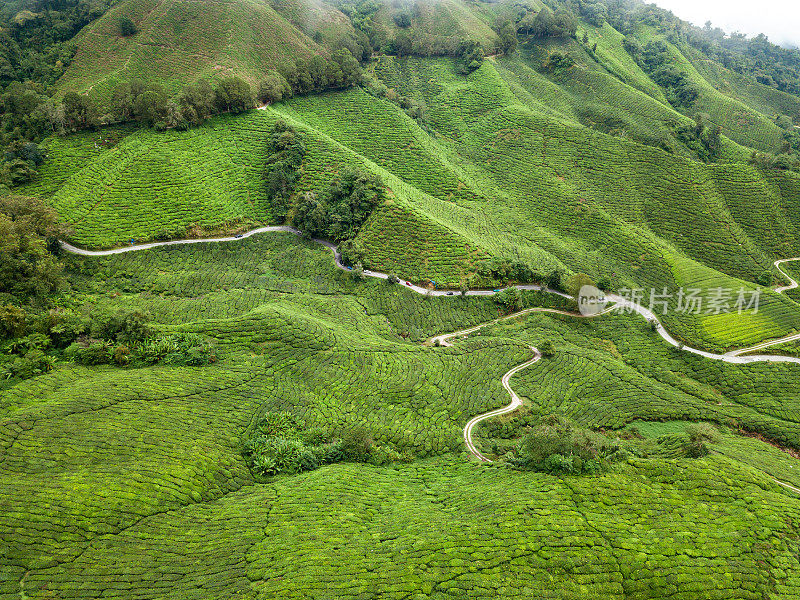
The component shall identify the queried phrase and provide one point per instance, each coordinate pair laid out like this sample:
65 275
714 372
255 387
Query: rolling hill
144 397
180 41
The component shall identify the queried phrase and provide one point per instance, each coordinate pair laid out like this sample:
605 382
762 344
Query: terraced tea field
114 464
137 459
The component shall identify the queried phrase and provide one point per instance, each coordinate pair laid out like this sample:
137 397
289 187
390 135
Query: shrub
576 282
96 352
357 443
556 446
12 321
358 271
557 61
122 355
282 424
702 432
123 325
547 349
187 349
554 279
31 363
127 27
314 436
509 298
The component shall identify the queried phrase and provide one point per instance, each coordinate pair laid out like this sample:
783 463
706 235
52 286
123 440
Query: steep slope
494 176
180 41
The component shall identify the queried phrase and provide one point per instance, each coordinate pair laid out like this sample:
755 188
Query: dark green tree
233 94
286 152
126 27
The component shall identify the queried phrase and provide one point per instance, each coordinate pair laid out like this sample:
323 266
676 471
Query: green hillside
178 42
242 418
109 461
493 156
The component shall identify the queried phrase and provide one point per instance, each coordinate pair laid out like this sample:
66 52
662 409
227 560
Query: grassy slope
739 121
572 163
440 24
493 164
765 99
129 474
180 41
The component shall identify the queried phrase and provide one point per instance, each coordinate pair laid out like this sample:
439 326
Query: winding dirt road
793 285
617 304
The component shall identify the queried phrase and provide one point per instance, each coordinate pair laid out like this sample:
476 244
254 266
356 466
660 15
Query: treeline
757 57
548 23
28 114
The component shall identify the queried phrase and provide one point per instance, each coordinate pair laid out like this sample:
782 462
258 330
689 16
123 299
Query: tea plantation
131 482
487 164
243 418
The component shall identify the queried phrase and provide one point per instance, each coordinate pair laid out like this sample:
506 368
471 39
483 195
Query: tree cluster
557 62
286 152
703 140
507 32
150 105
546 23
318 74
656 60
35 45
559 447
593 11
28 232
469 57
756 57
340 211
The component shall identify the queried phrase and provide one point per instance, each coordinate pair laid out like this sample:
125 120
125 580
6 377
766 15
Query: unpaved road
793 285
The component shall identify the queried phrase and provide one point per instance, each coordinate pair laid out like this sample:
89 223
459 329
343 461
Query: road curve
793 285
516 403
734 356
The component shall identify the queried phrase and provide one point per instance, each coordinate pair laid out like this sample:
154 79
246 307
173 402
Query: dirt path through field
793 285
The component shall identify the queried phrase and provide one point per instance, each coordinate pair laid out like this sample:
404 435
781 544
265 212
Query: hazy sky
778 19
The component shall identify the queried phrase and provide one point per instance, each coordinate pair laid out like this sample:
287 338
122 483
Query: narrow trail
793 285
618 303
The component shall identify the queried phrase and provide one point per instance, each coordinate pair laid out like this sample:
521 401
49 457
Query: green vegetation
286 152
244 419
28 229
656 60
164 443
279 443
342 209
556 447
